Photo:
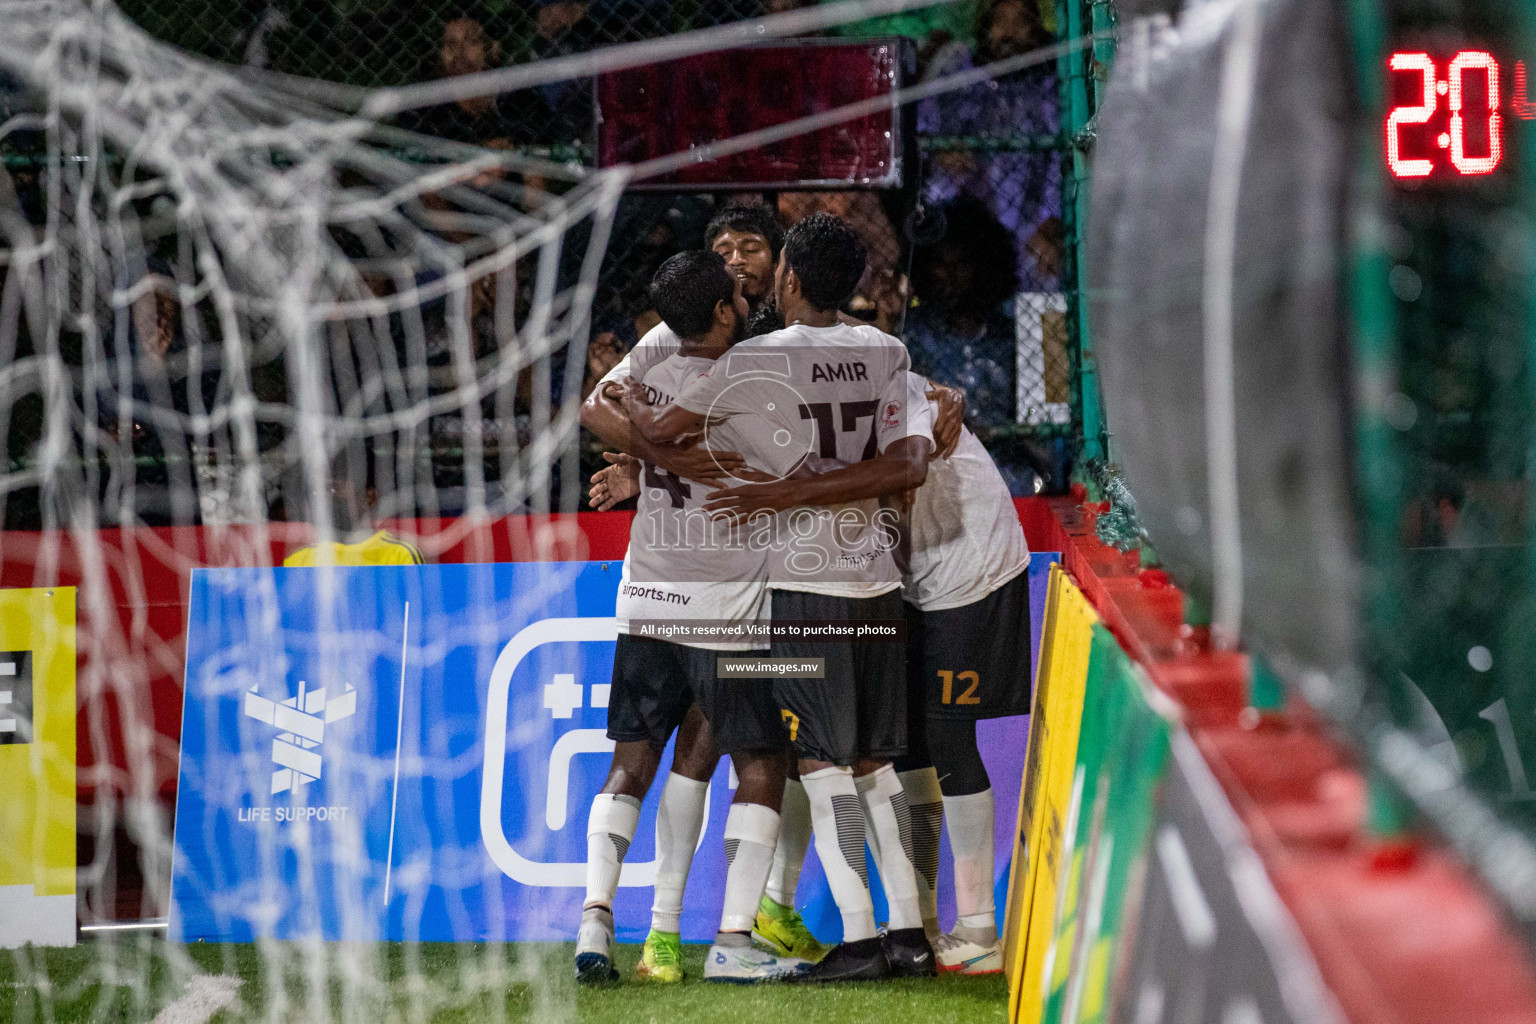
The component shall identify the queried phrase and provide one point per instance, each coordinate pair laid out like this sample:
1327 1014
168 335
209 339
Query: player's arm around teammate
653 679
604 416
748 239
901 467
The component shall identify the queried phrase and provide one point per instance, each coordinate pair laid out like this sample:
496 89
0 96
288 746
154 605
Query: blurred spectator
961 330
592 23
354 506
1044 250
146 356
564 27
1021 186
877 299
146 383
495 122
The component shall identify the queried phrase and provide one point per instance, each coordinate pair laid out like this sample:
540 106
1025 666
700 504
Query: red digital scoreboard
663 109
1449 118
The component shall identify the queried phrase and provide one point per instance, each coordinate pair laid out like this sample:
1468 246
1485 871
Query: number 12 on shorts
948 678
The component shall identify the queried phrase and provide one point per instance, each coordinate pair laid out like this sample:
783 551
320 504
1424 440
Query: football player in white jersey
686 568
968 658
842 392
748 238
966 587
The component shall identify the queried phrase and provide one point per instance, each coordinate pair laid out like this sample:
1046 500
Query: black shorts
972 662
655 681
860 708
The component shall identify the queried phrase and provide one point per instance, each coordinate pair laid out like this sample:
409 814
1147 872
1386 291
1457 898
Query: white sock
794 841
969 820
610 829
838 824
750 833
927 803
678 821
890 836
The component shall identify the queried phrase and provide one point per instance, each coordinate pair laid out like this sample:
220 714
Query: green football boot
781 929
662 958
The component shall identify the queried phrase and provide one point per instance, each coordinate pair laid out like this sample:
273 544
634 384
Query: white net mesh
235 317
222 303
287 283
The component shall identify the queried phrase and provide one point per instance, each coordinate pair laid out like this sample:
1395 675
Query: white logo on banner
301 720
561 696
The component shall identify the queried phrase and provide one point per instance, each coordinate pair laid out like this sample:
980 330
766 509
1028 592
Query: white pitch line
1190 907
394 800
207 994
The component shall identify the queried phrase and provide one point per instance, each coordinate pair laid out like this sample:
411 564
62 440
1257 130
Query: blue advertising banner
409 753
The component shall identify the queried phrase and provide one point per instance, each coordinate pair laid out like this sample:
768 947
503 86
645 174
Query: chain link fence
973 263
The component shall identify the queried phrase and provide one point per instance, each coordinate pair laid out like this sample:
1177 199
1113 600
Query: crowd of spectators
960 301
959 289
995 168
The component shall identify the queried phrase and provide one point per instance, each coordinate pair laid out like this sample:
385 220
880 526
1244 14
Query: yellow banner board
37 765
1046 796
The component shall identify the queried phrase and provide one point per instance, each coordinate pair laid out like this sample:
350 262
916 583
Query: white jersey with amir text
964 529
841 392
683 566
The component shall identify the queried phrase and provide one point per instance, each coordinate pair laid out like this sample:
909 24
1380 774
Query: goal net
227 305
241 312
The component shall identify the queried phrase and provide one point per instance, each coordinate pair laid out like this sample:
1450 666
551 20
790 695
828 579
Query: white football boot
594 946
957 953
747 965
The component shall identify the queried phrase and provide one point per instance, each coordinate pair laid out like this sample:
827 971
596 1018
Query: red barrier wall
132 615
132 618
1401 931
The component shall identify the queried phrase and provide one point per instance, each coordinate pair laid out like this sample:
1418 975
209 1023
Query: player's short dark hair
757 220
827 256
687 288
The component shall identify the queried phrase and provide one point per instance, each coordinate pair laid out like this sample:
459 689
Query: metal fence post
1078 106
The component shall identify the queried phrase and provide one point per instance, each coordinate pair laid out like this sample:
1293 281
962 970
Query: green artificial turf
129 981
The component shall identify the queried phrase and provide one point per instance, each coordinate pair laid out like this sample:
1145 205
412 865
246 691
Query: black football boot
909 953
851 961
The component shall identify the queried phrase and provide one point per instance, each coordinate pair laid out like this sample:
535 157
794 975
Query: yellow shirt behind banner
381 549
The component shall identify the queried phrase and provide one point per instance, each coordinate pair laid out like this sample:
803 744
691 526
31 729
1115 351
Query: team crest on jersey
892 416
